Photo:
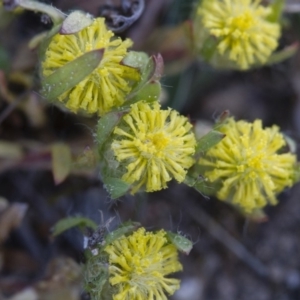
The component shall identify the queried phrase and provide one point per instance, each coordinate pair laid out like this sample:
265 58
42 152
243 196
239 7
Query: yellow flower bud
139 264
243 34
154 145
108 84
248 166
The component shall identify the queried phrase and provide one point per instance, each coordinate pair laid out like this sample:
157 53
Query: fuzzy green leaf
283 54
126 228
70 74
116 187
68 223
61 162
204 188
209 140
106 126
96 286
277 8
138 60
199 184
149 93
297 173
180 242
96 276
76 21
151 74
209 48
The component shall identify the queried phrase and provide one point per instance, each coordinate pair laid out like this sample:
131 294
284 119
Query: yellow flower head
243 33
155 145
139 264
248 166
108 84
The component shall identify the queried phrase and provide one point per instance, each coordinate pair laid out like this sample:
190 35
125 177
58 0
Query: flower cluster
248 164
156 145
139 264
244 34
108 84
143 147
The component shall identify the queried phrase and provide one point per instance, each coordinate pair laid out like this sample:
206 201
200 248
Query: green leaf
283 54
96 278
68 223
180 242
116 187
125 228
138 60
297 173
151 73
61 162
291 145
277 8
106 126
76 21
190 180
37 40
209 140
149 93
209 48
204 188
199 184
71 74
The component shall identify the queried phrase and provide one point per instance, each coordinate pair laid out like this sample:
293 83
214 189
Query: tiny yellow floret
248 166
155 146
108 84
139 264
243 32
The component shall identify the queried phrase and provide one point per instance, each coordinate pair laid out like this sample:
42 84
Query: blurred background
233 258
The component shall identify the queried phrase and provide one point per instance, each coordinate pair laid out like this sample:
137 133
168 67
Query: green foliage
76 21
209 48
180 242
96 273
71 222
283 54
70 74
96 277
277 7
195 180
115 187
208 141
148 88
125 229
106 126
61 161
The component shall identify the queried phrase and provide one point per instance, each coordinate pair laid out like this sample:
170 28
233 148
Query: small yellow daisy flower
155 145
248 165
108 84
243 33
139 264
